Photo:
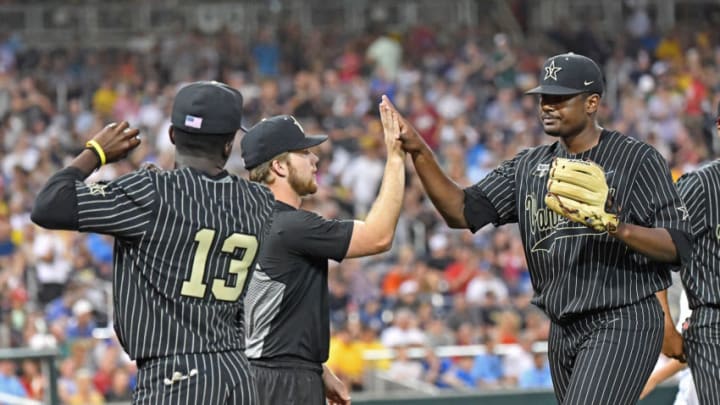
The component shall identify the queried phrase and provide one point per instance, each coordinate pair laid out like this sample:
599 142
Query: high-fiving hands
410 140
391 122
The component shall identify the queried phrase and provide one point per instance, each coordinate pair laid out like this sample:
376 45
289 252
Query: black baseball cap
273 136
569 73
207 107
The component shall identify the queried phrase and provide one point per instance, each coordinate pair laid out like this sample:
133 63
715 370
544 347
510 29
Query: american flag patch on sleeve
193 122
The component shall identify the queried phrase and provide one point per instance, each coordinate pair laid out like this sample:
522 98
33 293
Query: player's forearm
56 204
326 372
654 243
447 197
383 217
86 163
668 370
662 297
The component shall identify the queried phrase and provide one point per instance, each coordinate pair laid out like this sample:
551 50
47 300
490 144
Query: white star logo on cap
551 71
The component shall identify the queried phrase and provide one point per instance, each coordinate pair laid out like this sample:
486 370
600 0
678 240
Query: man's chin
552 131
308 189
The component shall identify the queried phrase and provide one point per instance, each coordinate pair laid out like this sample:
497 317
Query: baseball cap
81 306
207 107
569 73
273 136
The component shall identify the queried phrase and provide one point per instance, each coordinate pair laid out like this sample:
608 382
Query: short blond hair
262 173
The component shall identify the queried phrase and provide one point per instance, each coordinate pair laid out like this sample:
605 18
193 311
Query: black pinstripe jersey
574 269
184 245
700 190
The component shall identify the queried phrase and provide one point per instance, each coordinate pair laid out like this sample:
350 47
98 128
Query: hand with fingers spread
114 142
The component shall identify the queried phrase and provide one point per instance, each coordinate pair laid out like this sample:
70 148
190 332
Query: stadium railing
47 359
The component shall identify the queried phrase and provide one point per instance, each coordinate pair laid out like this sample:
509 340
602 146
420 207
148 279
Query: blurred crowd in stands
461 87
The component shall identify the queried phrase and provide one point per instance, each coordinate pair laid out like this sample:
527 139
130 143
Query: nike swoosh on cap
588 83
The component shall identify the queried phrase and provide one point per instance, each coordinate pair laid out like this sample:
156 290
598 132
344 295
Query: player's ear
592 103
227 149
279 168
171 134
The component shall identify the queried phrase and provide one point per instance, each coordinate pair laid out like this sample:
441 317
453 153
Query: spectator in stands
403 368
439 257
435 368
404 331
67 386
465 335
346 359
487 368
52 264
462 270
538 376
460 376
120 390
384 54
33 380
438 334
9 382
518 358
399 273
369 341
482 283
371 314
82 324
86 394
408 299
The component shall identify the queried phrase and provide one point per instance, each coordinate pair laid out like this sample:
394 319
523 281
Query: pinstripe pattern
702 345
581 277
220 378
169 226
576 270
701 278
603 358
700 190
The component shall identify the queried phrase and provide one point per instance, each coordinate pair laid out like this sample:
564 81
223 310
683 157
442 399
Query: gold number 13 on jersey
221 291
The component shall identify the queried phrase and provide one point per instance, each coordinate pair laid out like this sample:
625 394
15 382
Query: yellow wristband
92 144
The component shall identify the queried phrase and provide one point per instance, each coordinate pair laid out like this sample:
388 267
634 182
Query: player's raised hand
410 139
115 141
391 127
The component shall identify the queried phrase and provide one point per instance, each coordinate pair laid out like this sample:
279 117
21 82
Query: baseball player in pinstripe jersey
288 333
700 190
185 243
600 220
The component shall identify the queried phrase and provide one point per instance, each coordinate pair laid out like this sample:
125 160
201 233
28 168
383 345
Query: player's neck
584 140
283 192
211 167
